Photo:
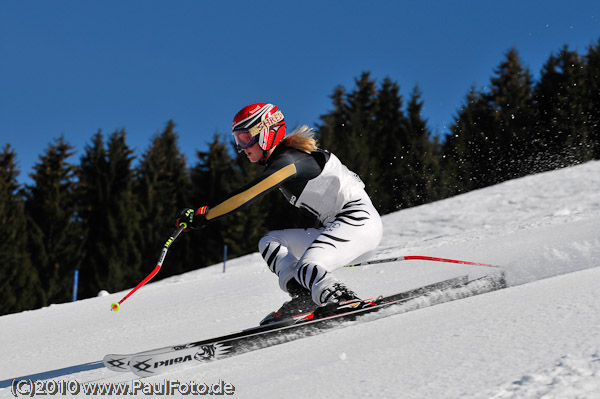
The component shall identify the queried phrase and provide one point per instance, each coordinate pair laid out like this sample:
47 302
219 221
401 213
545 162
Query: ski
153 362
120 362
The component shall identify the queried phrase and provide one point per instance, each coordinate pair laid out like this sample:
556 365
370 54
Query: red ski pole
418 257
115 306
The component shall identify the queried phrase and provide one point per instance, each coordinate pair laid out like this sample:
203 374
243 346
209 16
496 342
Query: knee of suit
264 242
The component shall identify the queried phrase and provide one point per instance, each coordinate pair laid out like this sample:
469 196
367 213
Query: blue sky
74 67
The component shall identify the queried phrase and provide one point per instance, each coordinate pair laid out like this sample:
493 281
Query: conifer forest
108 211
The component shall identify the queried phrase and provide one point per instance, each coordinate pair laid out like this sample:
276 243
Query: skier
315 181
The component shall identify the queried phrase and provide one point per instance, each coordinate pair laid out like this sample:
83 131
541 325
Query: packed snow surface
538 338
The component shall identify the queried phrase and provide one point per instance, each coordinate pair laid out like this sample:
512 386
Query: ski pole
418 257
115 306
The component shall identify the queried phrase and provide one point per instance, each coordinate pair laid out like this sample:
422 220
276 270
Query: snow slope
538 338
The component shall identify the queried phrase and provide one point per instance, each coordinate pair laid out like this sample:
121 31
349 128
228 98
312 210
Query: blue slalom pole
75 282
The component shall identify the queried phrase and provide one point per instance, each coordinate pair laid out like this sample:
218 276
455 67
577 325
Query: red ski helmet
259 122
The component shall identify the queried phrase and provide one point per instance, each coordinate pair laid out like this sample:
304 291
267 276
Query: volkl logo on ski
171 362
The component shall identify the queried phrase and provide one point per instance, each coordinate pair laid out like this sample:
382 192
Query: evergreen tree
592 97
54 235
393 148
491 137
423 156
109 215
359 142
465 150
565 133
19 282
511 104
334 125
162 188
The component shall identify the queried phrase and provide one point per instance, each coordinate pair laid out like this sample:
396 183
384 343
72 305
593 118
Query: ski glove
190 219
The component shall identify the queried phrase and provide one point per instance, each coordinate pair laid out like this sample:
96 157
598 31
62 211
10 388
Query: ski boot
339 299
300 303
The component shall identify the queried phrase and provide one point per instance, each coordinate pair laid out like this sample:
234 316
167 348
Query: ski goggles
244 139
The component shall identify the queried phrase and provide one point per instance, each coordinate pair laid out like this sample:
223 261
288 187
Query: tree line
108 218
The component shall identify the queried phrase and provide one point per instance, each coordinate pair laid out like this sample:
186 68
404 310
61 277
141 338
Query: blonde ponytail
302 138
